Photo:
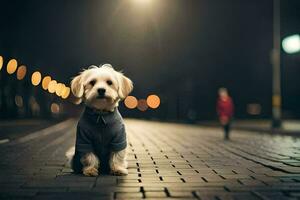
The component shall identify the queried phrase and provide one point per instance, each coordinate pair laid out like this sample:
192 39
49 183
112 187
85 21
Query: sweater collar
98 116
99 112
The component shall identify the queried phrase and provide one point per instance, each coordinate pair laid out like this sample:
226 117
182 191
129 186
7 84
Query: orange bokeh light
52 86
131 102
142 105
45 82
12 66
36 78
59 88
65 93
55 108
1 62
153 101
21 72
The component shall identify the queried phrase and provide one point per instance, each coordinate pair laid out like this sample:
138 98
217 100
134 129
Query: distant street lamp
36 78
142 4
291 44
142 1
1 62
12 66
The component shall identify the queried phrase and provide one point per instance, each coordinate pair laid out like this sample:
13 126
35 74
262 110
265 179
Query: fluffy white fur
85 88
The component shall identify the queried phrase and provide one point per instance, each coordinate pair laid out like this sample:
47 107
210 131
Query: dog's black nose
101 91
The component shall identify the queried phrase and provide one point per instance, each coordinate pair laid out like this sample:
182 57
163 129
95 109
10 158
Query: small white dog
100 137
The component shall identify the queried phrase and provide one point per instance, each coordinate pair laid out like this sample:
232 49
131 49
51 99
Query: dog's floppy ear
125 85
77 88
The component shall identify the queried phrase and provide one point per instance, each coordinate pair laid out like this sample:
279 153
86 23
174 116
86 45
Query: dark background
182 50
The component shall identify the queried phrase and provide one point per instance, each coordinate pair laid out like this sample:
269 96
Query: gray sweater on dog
100 133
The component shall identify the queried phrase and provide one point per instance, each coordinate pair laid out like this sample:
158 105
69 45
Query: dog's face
101 87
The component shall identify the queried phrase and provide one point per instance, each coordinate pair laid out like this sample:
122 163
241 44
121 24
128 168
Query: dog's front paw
90 171
119 172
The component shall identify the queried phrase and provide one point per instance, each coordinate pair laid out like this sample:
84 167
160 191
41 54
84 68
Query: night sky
182 50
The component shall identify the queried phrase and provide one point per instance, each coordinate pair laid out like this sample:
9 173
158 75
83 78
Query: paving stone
155 194
273 196
72 195
128 195
180 194
153 188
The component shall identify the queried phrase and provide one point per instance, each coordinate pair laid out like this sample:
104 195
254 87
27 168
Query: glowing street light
12 66
1 62
36 78
21 72
65 92
58 89
142 1
52 86
153 101
131 102
45 82
291 44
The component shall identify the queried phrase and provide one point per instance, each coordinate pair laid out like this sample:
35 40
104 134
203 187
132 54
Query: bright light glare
36 78
153 101
59 88
12 66
1 62
45 82
291 44
65 92
21 72
131 102
52 86
142 1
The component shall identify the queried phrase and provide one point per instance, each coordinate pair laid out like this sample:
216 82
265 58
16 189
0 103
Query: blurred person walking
225 109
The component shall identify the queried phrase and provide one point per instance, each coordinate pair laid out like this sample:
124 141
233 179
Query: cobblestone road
166 161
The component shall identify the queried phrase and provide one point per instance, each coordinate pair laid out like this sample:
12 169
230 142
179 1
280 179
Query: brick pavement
166 161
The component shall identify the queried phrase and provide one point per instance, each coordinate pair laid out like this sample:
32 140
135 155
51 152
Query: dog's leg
90 164
118 163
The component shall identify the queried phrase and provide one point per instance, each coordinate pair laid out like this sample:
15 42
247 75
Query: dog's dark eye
93 82
109 82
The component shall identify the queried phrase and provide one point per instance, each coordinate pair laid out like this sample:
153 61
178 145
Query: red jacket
225 107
